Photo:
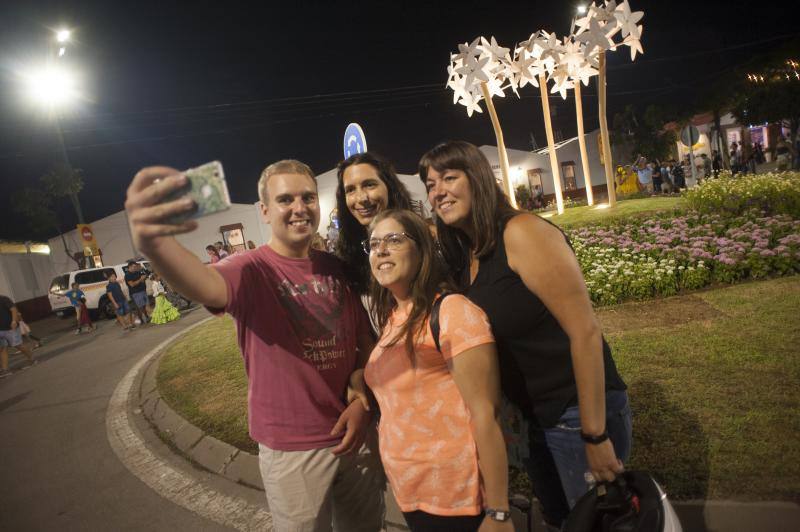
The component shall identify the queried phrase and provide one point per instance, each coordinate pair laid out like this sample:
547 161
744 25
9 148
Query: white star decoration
565 63
482 61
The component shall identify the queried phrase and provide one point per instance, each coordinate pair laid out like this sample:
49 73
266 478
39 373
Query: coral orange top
426 441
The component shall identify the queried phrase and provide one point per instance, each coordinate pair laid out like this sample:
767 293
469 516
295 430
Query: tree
767 87
770 95
63 181
37 205
717 97
643 133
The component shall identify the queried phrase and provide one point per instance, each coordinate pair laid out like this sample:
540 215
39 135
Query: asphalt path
57 468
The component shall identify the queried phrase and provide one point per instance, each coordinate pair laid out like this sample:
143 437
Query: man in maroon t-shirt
303 335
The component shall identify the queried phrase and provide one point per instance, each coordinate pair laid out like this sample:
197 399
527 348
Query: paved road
57 469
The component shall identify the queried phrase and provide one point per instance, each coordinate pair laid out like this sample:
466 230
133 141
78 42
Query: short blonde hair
286 166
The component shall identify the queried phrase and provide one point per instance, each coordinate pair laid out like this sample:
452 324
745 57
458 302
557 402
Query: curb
173 484
206 451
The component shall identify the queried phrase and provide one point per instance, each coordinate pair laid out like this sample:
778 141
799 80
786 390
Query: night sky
183 84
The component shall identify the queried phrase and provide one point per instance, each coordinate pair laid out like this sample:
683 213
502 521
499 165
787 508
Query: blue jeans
558 464
123 308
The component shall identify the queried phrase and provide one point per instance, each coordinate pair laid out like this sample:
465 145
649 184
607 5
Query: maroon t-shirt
297 323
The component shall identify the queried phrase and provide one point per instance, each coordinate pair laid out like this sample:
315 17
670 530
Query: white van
93 282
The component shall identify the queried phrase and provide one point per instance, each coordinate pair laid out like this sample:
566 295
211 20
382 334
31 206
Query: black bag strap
435 319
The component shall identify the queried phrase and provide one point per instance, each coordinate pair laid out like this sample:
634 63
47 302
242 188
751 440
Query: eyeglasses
393 242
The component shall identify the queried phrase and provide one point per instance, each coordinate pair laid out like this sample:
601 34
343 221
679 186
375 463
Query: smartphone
208 189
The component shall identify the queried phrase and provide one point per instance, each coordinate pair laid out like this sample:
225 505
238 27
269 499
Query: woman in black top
367 185
554 362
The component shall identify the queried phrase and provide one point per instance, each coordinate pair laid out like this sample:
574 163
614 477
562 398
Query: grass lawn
714 380
201 376
577 216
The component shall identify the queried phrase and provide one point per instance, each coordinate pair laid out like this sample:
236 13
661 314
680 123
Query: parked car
93 282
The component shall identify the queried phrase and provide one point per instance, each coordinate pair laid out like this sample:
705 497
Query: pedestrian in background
75 295
10 335
164 312
26 332
783 154
221 251
716 163
136 280
706 166
213 254
86 320
120 303
644 171
657 182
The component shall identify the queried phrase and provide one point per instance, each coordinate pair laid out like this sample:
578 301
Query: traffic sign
354 140
88 240
690 135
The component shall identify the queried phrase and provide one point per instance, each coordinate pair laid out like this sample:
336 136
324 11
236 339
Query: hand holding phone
207 189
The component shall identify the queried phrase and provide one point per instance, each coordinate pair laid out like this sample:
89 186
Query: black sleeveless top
535 361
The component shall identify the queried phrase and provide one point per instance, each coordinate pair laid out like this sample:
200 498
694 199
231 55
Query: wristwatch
588 438
498 515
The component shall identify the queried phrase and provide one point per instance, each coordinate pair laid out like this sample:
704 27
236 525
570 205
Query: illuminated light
62 36
601 206
62 51
52 86
581 9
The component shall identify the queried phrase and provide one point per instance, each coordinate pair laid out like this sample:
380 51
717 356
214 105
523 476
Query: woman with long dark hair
440 441
554 362
367 185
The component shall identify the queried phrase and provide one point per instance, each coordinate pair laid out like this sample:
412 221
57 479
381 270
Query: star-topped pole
596 30
534 60
576 67
482 69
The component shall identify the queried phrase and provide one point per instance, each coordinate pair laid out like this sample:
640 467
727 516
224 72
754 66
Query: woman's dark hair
431 279
490 211
351 232
212 249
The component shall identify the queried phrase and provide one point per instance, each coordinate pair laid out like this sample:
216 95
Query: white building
764 134
236 226
532 168
25 275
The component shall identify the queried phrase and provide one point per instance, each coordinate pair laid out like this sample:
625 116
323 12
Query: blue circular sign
354 140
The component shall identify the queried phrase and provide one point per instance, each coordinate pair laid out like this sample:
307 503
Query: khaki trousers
316 491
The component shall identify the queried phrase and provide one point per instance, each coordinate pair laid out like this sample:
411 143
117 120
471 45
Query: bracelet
594 440
498 515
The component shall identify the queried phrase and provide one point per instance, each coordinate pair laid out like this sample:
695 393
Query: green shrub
772 193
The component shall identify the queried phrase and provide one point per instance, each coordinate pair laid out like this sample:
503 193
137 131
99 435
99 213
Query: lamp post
53 87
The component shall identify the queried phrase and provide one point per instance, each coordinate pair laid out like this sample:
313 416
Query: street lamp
52 86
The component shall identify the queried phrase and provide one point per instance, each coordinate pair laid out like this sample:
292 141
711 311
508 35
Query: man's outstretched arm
153 235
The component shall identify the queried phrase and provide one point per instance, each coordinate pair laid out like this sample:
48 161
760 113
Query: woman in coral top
440 440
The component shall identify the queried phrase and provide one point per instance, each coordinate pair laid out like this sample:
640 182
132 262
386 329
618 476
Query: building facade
532 168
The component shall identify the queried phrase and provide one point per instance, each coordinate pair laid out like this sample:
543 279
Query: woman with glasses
367 185
554 362
440 441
